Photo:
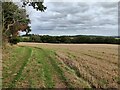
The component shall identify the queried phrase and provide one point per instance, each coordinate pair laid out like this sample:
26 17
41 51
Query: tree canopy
15 19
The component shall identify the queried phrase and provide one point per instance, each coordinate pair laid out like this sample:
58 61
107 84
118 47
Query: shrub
14 40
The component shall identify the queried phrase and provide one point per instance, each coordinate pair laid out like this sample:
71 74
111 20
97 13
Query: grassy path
32 67
17 65
26 58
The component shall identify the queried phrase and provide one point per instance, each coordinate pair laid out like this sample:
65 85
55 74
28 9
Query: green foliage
36 5
71 39
35 39
14 40
15 19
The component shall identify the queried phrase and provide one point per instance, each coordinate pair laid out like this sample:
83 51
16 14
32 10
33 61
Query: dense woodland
69 39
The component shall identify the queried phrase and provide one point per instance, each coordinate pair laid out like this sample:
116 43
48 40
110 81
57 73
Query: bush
14 40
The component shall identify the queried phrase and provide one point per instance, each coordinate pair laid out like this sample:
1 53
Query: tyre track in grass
26 58
47 72
57 69
9 70
32 76
62 75
51 59
15 62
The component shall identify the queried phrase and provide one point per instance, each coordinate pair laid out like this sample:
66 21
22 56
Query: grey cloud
76 18
108 4
69 8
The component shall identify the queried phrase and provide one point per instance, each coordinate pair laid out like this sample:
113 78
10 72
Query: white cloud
64 18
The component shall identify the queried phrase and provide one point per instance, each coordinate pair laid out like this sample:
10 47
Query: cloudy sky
75 18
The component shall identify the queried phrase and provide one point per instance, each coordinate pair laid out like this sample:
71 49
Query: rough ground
34 65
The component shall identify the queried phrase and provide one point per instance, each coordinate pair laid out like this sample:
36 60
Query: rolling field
34 65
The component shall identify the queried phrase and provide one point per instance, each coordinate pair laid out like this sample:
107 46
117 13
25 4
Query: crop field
38 65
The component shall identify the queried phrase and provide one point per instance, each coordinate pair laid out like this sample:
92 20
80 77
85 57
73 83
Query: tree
36 5
15 19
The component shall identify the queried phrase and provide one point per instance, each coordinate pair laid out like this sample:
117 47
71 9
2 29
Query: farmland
38 65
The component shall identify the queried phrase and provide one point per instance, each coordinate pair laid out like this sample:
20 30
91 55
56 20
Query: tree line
69 39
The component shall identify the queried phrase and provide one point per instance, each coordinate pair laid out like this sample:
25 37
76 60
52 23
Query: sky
75 18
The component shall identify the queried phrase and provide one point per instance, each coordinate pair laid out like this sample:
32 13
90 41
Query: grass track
25 58
41 67
44 61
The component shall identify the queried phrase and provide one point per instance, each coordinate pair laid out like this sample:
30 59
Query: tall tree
15 18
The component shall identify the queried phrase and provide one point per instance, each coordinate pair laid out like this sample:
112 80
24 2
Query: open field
34 65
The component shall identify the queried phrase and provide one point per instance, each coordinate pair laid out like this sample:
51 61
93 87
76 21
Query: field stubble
68 65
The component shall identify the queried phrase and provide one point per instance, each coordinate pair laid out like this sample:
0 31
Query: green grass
33 67
47 72
10 62
26 57
59 71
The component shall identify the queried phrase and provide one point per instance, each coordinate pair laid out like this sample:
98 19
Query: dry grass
95 63
61 66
